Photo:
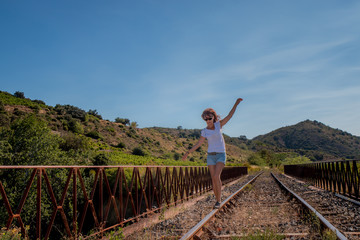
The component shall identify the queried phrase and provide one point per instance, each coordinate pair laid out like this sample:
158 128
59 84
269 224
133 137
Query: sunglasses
207 119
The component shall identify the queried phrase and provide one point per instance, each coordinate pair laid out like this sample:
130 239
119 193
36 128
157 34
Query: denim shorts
212 159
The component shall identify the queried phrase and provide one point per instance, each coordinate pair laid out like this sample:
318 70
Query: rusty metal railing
336 176
58 201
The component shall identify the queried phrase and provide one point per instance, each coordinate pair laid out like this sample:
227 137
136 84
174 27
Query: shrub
75 126
4 120
132 133
36 108
2 107
75 112
110 129
18 112
39 102
177 156
94 135
138 151
124 121
94 113
255 159
134 125
101 159
75 142
19 95
121 145
195 134
33 143
11 234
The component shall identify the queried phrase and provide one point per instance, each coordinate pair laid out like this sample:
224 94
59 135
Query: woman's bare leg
215 172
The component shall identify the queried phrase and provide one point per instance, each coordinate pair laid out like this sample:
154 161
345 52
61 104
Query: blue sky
161 63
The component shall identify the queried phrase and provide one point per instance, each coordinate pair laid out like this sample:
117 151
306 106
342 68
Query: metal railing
336 176
69 201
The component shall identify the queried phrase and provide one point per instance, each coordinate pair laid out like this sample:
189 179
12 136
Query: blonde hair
209 112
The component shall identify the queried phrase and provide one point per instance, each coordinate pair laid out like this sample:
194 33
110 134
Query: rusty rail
192 233
336 176
77 199
323 220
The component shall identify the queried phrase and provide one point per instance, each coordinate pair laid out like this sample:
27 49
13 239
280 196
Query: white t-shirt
215 138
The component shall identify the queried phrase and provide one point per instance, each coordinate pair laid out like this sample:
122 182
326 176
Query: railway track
341 212
262 209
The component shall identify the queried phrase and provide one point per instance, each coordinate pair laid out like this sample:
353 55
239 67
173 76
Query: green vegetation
68 110
139 152
10 234
116 234
296 160
120 158
8 99
29 142
94 134
272 159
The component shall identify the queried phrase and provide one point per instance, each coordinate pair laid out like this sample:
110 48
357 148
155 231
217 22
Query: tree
75 112
95 113
177 156
19 94
138 151
243 137
101 159
75 126
124 121
29 142
134 125
32 143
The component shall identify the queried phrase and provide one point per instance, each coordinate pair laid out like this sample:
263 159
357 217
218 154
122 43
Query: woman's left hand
238 101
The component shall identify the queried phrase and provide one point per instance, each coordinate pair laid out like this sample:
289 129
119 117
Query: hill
314 139
80 131
84 137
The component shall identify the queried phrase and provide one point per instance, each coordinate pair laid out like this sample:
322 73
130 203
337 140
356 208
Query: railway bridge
57 202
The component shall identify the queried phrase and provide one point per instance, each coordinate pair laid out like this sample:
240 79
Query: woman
216 157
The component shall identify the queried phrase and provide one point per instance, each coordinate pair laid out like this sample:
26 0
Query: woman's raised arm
231 113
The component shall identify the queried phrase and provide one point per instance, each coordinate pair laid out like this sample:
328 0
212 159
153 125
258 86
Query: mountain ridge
308 138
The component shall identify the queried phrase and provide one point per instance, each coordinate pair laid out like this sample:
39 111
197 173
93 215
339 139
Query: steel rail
197 228
347 199
321 218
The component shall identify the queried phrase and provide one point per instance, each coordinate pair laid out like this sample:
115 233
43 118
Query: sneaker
217 205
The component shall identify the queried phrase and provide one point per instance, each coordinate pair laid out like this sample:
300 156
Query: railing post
101 183
75 203
38 204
